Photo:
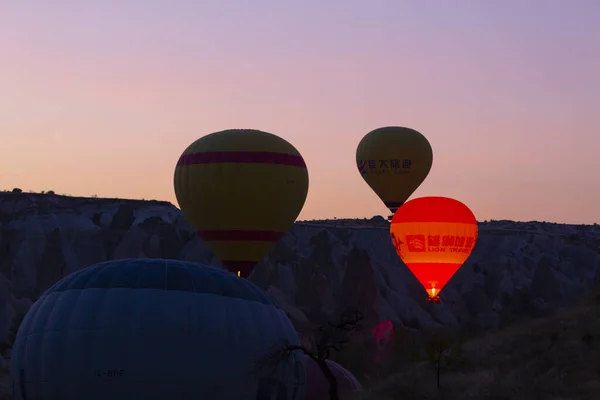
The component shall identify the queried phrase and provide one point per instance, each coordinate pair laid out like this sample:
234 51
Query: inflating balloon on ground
154 329
433 236
394 161
241 190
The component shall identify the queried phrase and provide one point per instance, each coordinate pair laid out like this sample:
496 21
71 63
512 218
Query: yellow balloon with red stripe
241 190
434 236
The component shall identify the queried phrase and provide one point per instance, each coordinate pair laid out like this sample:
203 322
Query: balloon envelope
153 329
241 190
317 385
433 236
383 332
394 161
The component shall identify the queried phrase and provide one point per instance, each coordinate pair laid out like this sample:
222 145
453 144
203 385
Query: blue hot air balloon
155 329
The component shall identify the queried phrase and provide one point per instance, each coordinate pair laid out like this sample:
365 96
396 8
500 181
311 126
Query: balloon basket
435 299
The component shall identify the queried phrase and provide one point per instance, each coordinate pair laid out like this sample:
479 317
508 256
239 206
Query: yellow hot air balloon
241 190
394 161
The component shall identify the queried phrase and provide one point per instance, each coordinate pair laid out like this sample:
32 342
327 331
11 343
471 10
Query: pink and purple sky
101 97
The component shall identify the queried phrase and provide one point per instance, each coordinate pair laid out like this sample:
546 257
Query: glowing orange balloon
434 236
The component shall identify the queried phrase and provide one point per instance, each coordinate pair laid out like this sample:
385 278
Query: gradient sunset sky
101 97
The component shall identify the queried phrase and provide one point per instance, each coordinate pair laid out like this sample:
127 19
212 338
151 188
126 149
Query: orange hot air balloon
241 190
433 236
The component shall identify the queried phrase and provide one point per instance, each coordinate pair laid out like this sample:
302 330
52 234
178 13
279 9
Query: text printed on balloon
436 243
395 166
109 373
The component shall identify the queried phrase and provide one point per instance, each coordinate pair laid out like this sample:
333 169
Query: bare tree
442 347
330 337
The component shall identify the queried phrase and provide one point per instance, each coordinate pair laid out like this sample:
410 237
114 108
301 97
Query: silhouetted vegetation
91 197
329 337
439 347
442 346
545 358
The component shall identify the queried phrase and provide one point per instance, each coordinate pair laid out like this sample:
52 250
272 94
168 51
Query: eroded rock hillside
318 270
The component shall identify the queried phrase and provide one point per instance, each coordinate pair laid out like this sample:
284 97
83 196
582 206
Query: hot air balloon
433 236
317 385
383 333
154 329
394 161
241 190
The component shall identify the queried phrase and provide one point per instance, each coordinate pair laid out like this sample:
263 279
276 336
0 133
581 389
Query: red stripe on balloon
251 157
258 236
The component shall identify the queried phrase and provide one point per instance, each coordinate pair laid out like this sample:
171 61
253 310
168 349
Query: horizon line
333 218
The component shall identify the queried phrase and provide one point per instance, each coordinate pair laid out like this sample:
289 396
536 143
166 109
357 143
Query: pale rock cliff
317 271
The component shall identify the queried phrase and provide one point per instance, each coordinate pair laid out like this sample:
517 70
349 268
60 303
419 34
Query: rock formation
318 270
